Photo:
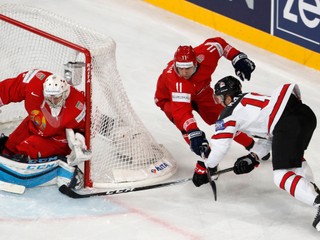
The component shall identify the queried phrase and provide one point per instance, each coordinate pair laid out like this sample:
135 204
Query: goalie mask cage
124 152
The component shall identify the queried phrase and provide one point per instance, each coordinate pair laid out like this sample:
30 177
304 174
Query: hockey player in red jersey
282 121
184 86
52 106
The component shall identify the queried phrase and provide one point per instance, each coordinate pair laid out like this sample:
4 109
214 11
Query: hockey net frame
144 161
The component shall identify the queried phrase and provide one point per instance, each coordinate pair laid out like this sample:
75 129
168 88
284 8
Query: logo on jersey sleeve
79 105
81 115
181 97
200 58
220 125
40 75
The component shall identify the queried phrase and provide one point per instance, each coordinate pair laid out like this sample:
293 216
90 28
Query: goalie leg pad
36 174
70 176
28 175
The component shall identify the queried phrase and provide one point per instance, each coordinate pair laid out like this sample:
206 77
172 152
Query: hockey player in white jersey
281 120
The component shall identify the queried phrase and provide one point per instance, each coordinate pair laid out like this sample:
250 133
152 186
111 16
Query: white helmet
55 90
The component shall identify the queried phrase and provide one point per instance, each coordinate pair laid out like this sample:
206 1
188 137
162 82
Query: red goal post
124 152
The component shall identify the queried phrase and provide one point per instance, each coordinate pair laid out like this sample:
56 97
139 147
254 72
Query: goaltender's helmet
228 85
55 90
185 57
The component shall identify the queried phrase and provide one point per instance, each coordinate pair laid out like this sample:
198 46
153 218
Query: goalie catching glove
246 164
79 152
200 176
243 66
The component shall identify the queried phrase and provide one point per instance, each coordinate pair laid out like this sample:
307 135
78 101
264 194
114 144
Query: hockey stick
71 193
211 182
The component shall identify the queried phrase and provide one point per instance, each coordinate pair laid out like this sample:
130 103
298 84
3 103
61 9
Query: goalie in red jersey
56 118
184 87
52 106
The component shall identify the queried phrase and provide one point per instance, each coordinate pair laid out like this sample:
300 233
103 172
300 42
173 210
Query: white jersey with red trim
251 113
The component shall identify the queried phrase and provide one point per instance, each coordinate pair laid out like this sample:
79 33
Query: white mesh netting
124 152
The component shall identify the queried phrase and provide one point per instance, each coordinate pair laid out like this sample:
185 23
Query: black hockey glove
198 142
246 164
243 66
200 176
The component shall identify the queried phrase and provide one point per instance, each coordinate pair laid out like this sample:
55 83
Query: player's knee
28 149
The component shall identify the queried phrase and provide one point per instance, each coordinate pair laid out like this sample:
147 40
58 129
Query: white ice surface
249 207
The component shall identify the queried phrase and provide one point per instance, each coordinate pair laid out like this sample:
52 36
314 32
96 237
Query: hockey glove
243 66
200 176
246 164
79 152
198 142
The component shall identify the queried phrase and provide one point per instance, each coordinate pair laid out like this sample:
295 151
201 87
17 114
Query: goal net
124 152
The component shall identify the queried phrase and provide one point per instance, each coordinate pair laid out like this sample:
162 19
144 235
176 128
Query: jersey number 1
254 102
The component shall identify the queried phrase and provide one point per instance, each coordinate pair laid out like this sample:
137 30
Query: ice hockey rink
249 207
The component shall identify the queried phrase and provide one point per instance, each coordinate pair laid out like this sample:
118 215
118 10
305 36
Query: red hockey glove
200 176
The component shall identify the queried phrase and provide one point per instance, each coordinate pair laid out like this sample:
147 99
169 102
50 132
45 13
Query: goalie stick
64 189
12 188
